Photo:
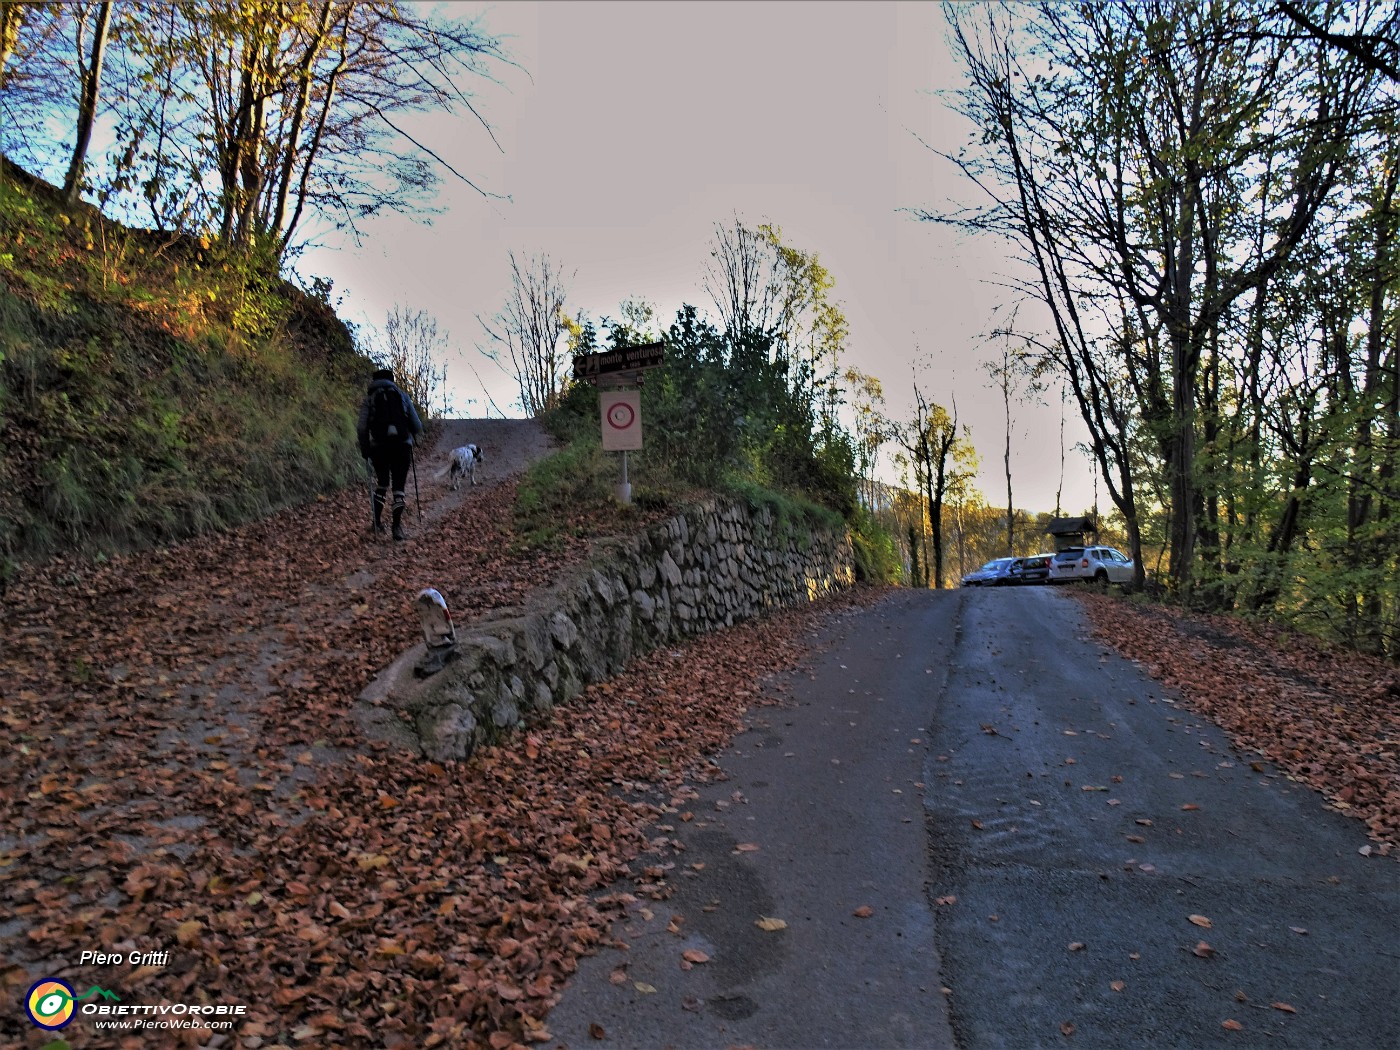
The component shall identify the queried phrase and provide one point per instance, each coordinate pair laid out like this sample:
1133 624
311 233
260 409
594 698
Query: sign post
620 406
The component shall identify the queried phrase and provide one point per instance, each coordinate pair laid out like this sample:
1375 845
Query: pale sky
641 125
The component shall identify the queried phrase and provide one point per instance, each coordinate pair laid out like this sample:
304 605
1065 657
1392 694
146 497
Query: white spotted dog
464 462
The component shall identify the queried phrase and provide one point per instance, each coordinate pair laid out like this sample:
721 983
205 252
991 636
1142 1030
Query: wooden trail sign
617 363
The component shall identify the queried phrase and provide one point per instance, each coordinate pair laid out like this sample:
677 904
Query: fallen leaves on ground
185 774
1326 715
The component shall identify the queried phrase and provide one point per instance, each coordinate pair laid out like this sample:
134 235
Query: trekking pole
413 459
369 485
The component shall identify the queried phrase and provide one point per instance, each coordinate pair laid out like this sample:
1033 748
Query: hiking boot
399 534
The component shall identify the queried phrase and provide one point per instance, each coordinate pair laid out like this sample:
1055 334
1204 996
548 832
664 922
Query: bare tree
529 330
932 441
760 285
413 346
741 279
264 110
1003 375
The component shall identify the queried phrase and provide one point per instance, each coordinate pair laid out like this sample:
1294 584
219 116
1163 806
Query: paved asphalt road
1033 824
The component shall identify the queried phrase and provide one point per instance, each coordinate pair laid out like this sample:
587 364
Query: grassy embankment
153 386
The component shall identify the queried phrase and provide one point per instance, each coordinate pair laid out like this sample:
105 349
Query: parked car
995 573
1033 569
1104 564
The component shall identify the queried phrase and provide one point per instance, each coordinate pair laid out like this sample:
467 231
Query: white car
1101 564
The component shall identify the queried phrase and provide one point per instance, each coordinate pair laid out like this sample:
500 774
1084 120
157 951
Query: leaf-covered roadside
1326 715
184 776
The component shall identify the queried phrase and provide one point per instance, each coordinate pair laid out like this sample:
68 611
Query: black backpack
388 419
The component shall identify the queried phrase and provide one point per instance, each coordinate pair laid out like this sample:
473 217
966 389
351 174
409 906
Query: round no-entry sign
621 415
622 419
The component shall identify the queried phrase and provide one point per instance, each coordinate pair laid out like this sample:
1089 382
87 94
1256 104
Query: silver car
1102 564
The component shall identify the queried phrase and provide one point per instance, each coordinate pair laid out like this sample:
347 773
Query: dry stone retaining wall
712 566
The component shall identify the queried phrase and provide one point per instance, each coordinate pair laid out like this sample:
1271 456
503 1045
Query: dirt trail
173 712
252 643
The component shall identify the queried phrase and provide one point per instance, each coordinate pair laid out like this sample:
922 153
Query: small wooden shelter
1073 532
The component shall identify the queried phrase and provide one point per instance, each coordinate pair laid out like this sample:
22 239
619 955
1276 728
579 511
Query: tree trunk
1181 466
1006 455
1370 480
11 21
1281 541
935 515
231 161
308 161
289 158
87 104
915 573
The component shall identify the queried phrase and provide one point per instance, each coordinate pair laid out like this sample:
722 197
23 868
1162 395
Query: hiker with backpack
386 430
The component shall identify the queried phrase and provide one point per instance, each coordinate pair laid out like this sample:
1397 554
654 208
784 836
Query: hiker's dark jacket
415 425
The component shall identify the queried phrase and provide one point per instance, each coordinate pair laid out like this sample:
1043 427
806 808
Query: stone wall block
570 682
563 630
532 641
602 587
543 700
505 712
670 571
619 645
448 731
591 650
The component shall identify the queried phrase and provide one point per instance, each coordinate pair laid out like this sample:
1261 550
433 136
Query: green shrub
876 556
723 414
